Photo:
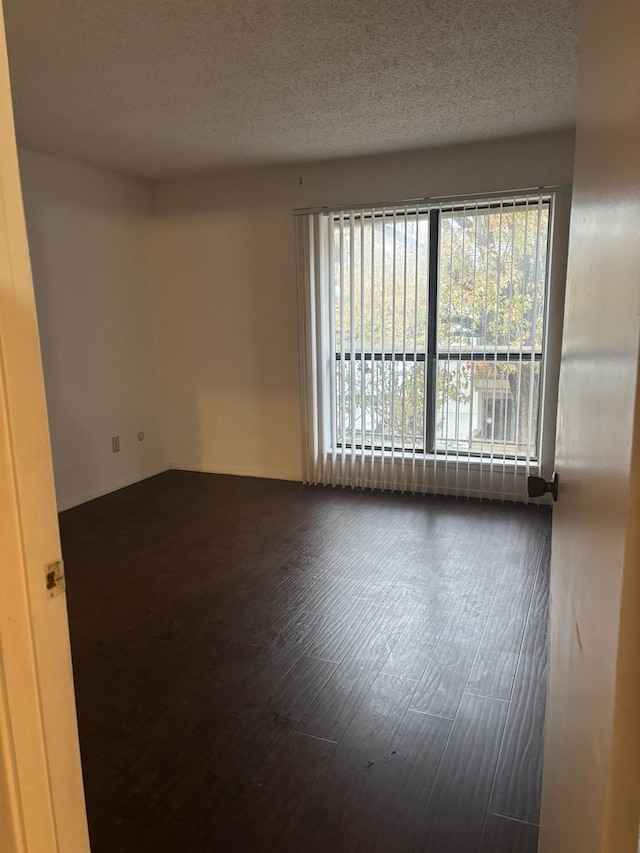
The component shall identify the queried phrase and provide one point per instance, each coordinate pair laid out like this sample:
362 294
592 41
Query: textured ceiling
172 87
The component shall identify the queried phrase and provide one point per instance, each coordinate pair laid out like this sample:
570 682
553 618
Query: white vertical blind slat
325 344
496 323
319 337
374 367
534 316
485 363
472 367
393 354
383 342
431 429
352 347
363 364
461 367
343 364
333 364
520 362
445 402
504 487
313 385
416 367
305 355
403 415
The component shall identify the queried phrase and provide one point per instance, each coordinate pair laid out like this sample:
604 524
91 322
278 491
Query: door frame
41 793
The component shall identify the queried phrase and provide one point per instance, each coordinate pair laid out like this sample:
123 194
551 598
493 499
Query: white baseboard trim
236 471
76 500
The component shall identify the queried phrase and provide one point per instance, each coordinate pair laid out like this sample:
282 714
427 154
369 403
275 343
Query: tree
492 284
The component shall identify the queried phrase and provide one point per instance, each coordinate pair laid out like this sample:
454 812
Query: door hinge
54 577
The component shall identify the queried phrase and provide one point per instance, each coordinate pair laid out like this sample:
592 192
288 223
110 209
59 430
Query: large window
423 333
437 318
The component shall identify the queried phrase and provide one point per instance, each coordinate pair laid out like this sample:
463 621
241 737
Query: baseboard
236 471
76 500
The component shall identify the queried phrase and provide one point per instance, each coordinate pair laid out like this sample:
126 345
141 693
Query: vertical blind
422 344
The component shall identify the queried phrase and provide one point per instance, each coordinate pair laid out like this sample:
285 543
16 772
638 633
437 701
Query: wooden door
592 747
41 793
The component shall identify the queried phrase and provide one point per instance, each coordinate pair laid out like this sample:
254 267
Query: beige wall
591 784
89 244
224 266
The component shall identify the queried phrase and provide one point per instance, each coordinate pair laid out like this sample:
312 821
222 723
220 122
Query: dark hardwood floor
262 666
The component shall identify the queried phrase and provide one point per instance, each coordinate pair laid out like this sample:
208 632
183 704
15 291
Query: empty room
319 334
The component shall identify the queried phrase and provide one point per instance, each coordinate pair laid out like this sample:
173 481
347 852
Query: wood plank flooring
262 666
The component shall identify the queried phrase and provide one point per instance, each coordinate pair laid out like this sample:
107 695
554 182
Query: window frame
432 354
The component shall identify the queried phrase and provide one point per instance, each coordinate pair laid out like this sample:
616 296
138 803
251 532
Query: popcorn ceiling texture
161 88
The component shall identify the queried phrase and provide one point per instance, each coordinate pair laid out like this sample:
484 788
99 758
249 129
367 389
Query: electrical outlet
115 444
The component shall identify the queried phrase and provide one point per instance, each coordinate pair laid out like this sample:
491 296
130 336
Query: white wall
224 266
89 233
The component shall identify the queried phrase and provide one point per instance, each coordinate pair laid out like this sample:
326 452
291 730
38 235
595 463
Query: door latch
54 578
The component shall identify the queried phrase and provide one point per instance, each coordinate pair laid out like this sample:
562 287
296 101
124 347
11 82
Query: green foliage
387 399
492 275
